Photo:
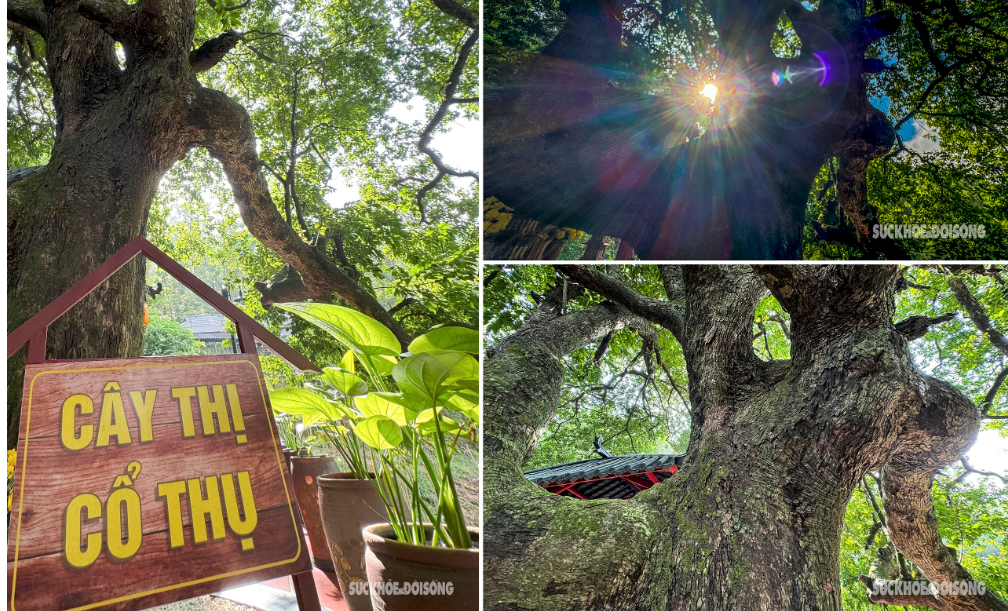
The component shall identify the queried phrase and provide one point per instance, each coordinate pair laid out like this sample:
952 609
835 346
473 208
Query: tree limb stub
212 51
287 289
916 326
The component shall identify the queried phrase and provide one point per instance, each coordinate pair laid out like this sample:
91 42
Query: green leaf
423 377
345 381
348 362
464 401
364 335
383 364
379 404
446 338
301 402
310 421
425 422
379 432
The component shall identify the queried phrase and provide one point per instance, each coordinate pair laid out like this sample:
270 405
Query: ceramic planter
288 455
422 567
348 505
304 471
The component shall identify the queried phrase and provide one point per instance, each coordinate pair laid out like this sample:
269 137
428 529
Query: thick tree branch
225 130
212 51
944 425
428 133
540 343
286 289
658 311
969 469
898 598
672 282
116 17
988 400
456 10
975 310
722 364
29 14
826 300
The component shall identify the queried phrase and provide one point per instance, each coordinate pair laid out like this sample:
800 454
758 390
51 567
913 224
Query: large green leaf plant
391 419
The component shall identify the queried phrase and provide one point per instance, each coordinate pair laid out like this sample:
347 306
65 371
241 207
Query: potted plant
390 426
291 441
304 470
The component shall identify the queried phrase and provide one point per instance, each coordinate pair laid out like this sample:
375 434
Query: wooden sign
144 481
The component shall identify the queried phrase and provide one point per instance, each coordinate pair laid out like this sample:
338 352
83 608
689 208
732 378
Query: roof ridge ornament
604 453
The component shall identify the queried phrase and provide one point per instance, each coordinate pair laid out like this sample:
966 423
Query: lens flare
709 91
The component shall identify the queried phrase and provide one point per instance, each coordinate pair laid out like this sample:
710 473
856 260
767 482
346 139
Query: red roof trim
673 469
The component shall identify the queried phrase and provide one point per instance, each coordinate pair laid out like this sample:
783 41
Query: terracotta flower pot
348 505
426 570
288 455
304 471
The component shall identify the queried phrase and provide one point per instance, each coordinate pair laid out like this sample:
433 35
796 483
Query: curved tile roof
594 468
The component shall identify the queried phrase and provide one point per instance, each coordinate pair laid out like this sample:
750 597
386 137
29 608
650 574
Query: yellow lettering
172 493
143 405
239 526
68 431
200 507
209 409
184 396
81 504
114 523
236 413
112 421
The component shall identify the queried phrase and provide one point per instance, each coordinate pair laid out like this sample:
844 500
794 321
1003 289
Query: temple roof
612 477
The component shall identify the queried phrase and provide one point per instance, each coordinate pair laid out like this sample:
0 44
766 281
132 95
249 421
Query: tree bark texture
119 130
568 140
753 519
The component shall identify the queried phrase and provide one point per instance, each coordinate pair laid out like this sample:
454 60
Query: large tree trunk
572 140
753 518
119 129
118 133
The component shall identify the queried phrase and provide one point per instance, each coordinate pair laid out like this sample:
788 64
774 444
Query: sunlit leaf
345 382
446 338
379 432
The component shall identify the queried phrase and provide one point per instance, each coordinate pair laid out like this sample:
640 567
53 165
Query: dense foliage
637 398
164 336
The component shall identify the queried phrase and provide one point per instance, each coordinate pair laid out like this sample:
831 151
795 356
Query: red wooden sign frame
33 332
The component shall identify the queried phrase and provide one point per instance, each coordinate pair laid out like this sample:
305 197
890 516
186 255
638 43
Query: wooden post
304 589
37 346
